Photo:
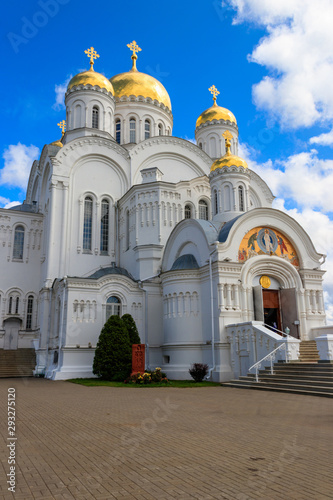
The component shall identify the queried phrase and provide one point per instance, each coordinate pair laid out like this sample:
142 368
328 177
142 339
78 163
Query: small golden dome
216 112
135 83
228 160
91 77
57 143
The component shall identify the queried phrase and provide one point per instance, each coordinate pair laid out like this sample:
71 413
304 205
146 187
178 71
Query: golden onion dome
215 112
57 143
91 77
135 83
228 160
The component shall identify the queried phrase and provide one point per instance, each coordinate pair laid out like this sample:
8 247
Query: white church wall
209 136
21 271
141 111
177 159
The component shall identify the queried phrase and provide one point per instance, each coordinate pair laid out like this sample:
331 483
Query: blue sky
271 61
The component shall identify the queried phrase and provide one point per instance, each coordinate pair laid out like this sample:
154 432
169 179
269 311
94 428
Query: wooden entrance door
272 316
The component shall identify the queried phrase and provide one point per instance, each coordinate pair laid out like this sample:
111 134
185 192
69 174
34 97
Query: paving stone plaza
76 442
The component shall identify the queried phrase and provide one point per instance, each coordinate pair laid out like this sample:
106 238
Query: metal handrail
276 330
271 357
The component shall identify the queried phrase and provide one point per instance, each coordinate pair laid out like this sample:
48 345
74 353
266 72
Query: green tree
113 355
131 328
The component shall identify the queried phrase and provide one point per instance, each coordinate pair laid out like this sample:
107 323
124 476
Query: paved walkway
76 442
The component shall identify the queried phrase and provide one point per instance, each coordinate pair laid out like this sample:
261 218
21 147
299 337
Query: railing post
257 371
272 373
286 349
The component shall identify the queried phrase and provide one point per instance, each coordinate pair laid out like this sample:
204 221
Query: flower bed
148 377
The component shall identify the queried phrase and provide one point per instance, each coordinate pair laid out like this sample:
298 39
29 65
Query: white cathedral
122 217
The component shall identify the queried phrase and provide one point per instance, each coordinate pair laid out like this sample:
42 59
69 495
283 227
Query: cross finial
227 136
213 90
62 126
134 48
93 55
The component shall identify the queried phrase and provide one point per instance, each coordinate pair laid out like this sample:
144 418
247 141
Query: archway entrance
275 306
12 326
271 305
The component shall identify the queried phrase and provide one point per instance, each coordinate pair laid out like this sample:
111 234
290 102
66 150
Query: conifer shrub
198 371
113 355
131 328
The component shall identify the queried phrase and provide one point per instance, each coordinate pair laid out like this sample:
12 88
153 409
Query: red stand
138 358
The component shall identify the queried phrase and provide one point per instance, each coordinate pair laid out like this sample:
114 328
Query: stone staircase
17 363
308 352
305 376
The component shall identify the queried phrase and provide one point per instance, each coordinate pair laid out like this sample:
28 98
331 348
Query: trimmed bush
113 355
131 328
198 371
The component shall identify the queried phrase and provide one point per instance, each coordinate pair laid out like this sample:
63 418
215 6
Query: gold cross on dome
213 90
92 54
227 136
134 47
62 126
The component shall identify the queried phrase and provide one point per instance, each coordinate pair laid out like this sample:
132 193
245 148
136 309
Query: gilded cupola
211 124
135 83
91 77
228 160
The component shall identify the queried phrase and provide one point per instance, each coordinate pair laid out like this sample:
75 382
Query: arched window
30 306
10 305
241 198
160 129
127 230
188 211
132 124
94 120
216 203
147 129
203 210
87 224
18 243
104 245
17 302
118 131
200 145
113 307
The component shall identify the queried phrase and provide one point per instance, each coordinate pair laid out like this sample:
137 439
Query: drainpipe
48 330
116 243
210 371
62 325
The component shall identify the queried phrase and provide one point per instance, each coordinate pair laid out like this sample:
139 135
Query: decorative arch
279 269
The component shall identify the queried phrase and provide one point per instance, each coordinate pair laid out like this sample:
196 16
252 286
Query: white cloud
303 177
12 204
18 159
297 51
325 139
60 91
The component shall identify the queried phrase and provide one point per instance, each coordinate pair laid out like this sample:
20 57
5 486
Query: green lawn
91 382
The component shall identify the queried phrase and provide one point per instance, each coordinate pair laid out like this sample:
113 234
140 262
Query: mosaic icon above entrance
267 241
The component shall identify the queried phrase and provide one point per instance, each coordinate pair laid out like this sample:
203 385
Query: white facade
113 225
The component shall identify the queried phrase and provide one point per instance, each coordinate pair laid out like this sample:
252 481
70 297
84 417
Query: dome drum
91 110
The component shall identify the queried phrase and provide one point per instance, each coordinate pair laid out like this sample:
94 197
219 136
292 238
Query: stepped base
313 379
17 363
